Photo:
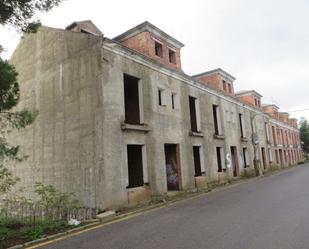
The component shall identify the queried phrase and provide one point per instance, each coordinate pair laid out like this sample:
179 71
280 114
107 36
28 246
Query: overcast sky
264 44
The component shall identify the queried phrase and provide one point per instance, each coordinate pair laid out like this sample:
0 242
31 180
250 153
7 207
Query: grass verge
14 231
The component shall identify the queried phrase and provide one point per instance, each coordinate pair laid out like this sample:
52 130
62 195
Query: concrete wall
60 75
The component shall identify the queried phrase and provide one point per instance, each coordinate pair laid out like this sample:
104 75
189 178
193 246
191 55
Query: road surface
268 213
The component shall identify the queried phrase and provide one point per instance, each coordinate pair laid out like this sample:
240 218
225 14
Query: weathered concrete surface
75 81
270 213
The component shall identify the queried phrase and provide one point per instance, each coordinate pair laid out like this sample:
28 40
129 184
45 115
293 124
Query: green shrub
3 232
30 232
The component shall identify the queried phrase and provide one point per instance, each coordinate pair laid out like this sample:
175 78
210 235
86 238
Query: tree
304 134
18 13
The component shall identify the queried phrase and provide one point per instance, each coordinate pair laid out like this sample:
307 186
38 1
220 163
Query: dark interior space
135 166
197 161
131 99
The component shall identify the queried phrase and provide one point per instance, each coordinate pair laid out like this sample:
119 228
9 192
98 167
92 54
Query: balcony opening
214 110
131 99
217 120
193 114
241 123
135 166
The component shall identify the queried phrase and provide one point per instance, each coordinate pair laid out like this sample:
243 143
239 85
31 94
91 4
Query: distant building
119 121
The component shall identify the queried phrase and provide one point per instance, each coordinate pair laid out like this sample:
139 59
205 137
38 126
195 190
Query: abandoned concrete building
119 121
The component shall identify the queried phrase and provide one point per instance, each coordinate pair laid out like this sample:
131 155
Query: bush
51 199
14 230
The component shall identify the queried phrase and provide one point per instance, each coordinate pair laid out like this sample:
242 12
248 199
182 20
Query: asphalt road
268 213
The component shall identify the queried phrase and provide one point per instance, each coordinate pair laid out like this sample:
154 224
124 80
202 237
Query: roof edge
245 92
147 26
217 70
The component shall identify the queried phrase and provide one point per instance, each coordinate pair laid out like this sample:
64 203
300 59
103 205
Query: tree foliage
10 119
304 134
20 14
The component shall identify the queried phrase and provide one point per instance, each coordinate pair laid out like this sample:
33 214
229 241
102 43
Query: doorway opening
263 157
131 99
281 157
172 164
135 166
234 161
197 161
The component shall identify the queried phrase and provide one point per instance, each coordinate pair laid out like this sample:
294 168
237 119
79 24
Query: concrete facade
80 139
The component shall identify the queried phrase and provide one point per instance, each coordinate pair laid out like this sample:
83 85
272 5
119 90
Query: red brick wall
249 99
215 81
212 81
140 42
145 43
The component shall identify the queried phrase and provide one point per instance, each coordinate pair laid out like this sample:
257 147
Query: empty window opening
197 161
216 121
192 104
172 56
274 134
281 156
219 158
230 88
282 137
131 99
175 101
241 123
270 156
244 152
224 85
172 163
277 156
158 49
161 97
267 131
135 166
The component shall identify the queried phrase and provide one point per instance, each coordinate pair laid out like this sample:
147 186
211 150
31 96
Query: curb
97 222
54 236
